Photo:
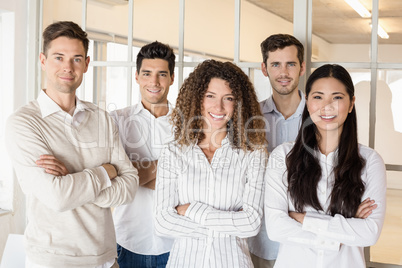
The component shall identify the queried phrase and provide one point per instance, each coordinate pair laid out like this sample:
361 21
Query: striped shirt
226 199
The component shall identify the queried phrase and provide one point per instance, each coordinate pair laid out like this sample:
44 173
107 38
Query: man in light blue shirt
283 64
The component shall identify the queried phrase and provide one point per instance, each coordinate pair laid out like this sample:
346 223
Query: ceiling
337 23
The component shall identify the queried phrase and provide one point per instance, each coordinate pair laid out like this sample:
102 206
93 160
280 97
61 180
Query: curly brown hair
246 129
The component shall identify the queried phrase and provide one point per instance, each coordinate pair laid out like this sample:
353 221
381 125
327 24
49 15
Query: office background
229 30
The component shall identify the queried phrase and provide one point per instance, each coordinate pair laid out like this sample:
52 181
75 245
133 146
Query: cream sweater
69 219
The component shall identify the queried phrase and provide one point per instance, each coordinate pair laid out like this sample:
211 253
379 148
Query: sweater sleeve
25 143
247 221
125 185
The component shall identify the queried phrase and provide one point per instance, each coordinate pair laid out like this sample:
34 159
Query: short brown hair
64 28
280 41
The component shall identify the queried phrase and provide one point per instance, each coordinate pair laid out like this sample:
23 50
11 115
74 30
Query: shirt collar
48 106
269 105
140 108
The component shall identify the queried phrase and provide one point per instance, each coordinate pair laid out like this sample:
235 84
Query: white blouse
226 199
322 240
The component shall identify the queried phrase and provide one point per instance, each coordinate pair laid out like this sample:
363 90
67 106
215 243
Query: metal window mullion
130 51
40 40
180 62
83 26
373 82
301 29
236 56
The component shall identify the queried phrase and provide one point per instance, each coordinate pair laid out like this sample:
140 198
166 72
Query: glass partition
390 19
388 132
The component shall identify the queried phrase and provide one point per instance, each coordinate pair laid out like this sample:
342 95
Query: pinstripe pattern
226 198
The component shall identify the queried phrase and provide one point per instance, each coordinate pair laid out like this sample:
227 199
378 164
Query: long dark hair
304 171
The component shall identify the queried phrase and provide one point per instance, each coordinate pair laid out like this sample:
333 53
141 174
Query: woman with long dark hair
209 186
321 189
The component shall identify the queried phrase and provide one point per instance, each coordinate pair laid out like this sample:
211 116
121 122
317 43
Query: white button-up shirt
278 130
322 240
143 137
225 197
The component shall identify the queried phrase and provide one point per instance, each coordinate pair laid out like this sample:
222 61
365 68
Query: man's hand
181 209
52 165
111 171
365 208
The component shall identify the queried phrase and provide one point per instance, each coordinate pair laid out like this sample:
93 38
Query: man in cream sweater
69 162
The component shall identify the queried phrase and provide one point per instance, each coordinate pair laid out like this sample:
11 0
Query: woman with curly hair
320 190
209 187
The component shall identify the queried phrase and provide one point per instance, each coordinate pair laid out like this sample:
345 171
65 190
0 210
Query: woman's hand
365 208
297 216
181 209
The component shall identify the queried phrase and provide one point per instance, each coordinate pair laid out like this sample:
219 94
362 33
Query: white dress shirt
323 240
143 137
278 130
225 199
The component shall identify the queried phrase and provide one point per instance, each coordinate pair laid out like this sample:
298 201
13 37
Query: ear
87 60
352 104
264 69
172 78
302 68
42 59
136 76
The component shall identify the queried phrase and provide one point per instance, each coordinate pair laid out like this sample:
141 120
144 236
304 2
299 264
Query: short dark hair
64 28
157 50
280 41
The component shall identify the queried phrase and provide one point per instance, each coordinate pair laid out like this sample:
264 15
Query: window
6 104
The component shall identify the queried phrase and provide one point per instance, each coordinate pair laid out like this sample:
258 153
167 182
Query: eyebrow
287 62
61 54
210 92
160 72
322 93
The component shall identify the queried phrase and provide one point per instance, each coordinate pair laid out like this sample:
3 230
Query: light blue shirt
278 130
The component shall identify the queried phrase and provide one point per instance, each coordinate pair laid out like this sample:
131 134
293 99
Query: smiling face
154 79
64 64
329 104
283 70
218 104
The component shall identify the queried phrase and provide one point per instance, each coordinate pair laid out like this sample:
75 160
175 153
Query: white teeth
217 116
328 116
153 91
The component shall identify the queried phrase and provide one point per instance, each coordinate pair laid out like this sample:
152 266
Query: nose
155 79
219 105
329 105
68 66
284 69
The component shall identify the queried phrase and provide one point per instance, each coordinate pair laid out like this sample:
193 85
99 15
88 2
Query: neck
328 141
66 101
157 110
286 104
213 139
